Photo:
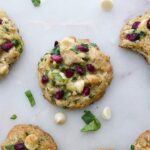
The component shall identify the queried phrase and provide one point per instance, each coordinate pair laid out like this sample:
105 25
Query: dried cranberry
133 37
20 146
90 67
86 91
57 58
44 79
80 70
148 24
135 25
1 21
59 94
69 73
56 43
7 46
83 48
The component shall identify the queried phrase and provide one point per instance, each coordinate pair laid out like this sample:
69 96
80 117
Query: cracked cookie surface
11 44
143 142
75 73
28 137
135 35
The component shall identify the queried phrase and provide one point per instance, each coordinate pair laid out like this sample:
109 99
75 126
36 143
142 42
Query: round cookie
11 44
135 35
28 137
75 73
143 142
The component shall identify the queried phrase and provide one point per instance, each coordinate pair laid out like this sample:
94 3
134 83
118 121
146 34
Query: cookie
29 137
143 142
75 74
11 44
135 35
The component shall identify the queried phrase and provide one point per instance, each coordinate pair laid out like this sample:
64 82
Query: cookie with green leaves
75 74
135 35
28 137
142 142
11 44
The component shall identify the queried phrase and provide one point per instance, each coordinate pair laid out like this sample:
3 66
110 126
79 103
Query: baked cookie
135 35
143 142
28 137
11 44
75 73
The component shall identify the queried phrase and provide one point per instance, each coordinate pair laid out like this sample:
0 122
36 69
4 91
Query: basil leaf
132 147
92 123
13 117
36 3
74 79
142 34
94 45
92 126
56 51
88 117
30 97
10 147
75 50
67 95
57 77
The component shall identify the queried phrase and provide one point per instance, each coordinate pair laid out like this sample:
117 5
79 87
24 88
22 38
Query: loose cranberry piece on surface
1 21
44 79
80 70
20 146
57 58
90 68
7 46
82 48
56 43
59 94
69 73
86 91
148 24
136 24
133 37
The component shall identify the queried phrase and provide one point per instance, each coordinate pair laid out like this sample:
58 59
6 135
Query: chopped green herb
132 147
85 58
30 97
57 77
94 44
56 51
62 67
88 117
13 117
36 3
142 34
67 95
85 45
10 147
74 79
74 49
92 123
5 29
16 42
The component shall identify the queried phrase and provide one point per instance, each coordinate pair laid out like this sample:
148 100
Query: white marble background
128 95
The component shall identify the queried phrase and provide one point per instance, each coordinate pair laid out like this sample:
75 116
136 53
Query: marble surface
128 96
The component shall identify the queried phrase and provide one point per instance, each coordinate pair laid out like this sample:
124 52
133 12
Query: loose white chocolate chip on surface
60 118
106 114
107 4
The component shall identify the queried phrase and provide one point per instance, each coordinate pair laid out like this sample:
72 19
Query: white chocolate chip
107 4
31 142
60 118
106 114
